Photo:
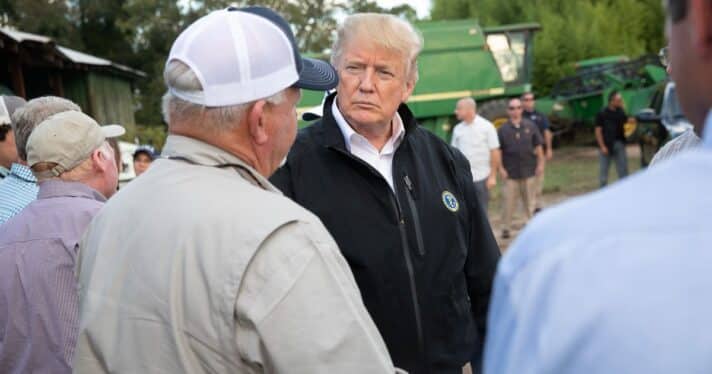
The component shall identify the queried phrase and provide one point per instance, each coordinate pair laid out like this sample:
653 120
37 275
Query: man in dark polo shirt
522 160
542 123
610 137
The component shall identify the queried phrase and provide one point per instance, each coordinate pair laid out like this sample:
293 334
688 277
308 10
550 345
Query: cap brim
316 75
112 131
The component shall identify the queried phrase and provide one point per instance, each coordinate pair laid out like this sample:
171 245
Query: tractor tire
495 111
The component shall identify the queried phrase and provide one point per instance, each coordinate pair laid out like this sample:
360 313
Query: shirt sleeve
299 309
455 141
537 139
599 120
492 138
544 122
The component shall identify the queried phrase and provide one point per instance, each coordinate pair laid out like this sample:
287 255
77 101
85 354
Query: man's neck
612 107
470 120
516 123
231 143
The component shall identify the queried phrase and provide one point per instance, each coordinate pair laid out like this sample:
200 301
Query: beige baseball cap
67 139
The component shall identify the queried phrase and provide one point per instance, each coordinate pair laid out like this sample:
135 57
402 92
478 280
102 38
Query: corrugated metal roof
20 36
68 53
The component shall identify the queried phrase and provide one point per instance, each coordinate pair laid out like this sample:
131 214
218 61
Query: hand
491 181
539 169
604 150
503 173
549 153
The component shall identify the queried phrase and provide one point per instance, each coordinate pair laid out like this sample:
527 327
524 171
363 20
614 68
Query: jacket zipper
406 251
416 216
411 274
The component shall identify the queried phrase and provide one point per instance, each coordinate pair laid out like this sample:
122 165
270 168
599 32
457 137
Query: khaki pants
538 191
513 188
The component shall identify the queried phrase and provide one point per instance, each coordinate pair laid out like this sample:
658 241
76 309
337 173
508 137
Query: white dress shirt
476 140
360 147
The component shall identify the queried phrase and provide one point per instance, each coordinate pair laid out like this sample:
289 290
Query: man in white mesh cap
201 265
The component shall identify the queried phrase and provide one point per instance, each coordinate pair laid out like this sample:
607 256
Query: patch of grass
572 171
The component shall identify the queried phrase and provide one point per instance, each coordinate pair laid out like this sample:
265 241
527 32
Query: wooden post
18 78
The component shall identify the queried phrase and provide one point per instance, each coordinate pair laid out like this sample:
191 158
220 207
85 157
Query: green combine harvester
461 59
575 100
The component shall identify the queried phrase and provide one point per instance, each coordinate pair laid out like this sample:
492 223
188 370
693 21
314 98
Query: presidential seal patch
450 201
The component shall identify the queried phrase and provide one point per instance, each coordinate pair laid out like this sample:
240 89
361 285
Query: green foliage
153 135
571 30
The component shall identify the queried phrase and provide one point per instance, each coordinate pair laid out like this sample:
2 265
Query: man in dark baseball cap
220 273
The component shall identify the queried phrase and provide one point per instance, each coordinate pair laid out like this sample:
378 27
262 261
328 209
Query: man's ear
409 87
700 13
255 123
99 159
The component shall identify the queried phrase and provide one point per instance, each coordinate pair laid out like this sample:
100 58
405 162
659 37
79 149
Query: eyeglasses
529 98
663 56
514 108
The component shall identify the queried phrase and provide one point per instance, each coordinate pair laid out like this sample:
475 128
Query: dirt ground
582 183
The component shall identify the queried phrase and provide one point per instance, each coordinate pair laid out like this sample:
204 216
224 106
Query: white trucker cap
67 139
244 54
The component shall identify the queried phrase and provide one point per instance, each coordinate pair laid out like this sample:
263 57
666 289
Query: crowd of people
360 244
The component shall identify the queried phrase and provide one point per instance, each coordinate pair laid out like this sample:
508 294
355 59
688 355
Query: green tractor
461 59
575 100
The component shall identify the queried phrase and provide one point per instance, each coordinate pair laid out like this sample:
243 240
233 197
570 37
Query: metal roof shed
33 65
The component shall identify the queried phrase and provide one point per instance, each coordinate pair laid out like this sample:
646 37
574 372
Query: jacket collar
202 153
333 137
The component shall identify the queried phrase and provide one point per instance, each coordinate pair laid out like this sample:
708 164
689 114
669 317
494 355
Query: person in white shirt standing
477 139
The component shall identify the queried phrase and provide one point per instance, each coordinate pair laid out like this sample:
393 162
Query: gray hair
179 76
384 30
78 173
469 101
27 117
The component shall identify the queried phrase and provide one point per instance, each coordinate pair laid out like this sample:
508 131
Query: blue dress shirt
618 281
17 190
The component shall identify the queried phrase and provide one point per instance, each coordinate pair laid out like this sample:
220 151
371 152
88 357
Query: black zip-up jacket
424 257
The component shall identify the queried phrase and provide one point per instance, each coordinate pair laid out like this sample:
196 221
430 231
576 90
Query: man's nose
366 84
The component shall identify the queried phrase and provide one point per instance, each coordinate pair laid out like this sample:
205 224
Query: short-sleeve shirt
539 119
476 140
611 122
518 145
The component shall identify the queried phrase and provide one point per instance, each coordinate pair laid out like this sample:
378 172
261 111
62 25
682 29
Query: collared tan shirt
194 268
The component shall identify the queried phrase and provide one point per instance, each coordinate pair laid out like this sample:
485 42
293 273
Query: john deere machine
461 59
575 100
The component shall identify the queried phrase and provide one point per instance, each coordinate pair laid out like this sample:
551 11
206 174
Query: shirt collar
707 131
23 172
205 154
348 132
4 171
59 188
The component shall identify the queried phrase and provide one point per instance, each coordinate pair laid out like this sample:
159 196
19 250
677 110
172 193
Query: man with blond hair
76 170
399 201
201 265
19 188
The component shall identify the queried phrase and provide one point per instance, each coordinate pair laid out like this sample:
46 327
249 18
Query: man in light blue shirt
619 281
20 188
